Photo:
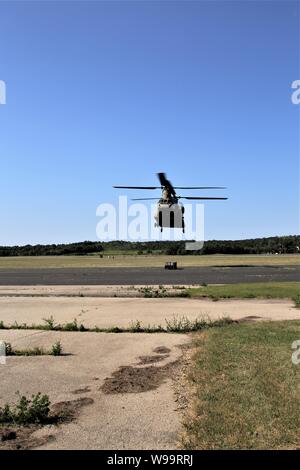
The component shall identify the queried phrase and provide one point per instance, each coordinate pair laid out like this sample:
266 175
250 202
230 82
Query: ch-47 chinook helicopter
170 212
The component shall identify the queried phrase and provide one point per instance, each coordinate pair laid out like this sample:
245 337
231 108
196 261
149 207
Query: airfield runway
148 276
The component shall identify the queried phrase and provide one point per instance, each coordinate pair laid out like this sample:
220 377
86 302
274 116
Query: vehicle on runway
170 212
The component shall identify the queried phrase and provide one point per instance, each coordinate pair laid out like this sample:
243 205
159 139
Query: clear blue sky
103 93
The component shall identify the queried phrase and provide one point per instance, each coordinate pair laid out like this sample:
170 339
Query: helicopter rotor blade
181 197
166 183
199 187
162 179
204 198
137 187
145 199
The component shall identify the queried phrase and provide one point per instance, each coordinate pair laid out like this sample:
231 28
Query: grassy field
265 290
246 388
146 261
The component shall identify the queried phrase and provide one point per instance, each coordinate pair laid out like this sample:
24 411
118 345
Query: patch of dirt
78 391
20 437
67 411
161 350
129 379
248 319
184 389
7 435
181 384
151 359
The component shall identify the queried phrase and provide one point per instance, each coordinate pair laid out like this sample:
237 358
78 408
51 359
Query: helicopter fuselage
169 214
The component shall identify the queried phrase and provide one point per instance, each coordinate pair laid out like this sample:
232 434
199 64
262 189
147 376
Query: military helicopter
170 212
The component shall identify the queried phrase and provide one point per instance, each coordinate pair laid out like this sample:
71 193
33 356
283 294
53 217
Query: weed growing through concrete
161 291
184 325
26 411
51 325
175 325
56 350
296 300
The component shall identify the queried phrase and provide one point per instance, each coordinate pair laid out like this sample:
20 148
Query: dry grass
246 389
145 261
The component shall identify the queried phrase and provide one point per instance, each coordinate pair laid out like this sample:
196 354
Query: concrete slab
108 312
140 420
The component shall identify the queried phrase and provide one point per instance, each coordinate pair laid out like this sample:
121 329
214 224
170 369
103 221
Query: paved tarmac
144 276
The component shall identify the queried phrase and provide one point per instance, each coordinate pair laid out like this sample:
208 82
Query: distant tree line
80 248
288 244
272 245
